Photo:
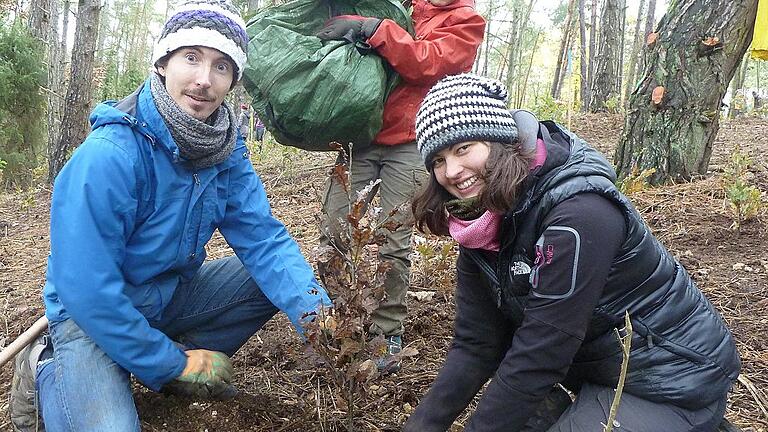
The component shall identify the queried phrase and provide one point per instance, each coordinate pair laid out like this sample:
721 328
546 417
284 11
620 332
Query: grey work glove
351 28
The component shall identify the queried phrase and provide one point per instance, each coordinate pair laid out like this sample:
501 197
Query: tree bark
604 87
39 21
583 62
633 57
674 114
74 124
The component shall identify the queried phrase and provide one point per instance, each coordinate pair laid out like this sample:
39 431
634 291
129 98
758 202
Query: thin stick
756 394
23 340
626 345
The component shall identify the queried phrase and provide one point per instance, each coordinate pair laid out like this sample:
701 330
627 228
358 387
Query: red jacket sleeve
446 50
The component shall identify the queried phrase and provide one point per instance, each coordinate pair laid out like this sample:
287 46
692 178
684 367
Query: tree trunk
583 62
39 21
604 87
562 58
513 45
622 31
737 83
650 21
521 89
520 19
57 83
592 55
633 57
489 20
674 114
74 124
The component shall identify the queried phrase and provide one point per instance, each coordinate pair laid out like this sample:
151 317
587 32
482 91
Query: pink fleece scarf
483 232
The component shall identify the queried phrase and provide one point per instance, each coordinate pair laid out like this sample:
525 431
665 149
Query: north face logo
519 268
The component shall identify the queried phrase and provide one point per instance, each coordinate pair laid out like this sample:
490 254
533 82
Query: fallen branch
759 397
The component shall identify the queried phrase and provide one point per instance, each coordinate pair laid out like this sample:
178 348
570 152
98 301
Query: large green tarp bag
310 93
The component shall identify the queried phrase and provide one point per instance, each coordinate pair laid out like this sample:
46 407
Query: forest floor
280 390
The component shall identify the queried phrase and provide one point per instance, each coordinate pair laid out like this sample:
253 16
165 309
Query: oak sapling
354 278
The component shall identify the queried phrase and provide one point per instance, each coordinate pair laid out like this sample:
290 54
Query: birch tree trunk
74 123
674 114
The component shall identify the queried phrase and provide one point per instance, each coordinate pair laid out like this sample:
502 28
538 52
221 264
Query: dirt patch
281 391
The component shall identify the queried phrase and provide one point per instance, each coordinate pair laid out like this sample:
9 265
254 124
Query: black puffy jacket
682 352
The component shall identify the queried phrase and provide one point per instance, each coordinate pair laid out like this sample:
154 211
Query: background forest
664 88
558 57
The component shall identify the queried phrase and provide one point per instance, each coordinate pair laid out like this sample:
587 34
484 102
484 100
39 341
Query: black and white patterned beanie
462 108
213 24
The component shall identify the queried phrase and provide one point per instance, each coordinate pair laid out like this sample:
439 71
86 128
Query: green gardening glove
208 375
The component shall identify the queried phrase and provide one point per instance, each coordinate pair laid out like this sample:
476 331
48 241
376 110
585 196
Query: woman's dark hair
507 167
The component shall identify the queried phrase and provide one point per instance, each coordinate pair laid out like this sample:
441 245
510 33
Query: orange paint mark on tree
658 95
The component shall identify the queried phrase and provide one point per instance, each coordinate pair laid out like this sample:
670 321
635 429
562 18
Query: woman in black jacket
551 257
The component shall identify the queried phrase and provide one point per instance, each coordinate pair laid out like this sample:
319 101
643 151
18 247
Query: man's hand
208 375
349 27
205 366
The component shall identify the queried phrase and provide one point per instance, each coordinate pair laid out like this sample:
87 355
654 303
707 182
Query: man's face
441 2
198 78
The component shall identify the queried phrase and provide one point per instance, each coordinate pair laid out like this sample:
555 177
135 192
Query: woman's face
460 168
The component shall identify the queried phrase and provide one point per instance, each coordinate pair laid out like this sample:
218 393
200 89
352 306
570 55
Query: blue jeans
81 389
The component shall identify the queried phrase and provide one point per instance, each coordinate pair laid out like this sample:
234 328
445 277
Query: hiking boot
388 363
23 403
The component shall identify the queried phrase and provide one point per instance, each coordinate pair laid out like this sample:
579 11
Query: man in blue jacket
127 290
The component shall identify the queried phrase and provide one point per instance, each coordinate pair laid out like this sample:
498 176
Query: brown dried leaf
407 352
658 95
349 347
365 371
651 39
341 175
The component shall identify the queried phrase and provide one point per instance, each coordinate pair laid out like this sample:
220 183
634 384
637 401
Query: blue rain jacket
129 222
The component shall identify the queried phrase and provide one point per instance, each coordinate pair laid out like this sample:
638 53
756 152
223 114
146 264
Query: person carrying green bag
446 36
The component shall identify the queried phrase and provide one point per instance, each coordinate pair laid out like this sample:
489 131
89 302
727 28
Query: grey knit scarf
202 144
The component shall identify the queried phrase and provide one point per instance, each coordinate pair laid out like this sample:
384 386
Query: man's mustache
199 94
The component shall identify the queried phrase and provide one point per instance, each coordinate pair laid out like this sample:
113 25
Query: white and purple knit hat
213 24
461 108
